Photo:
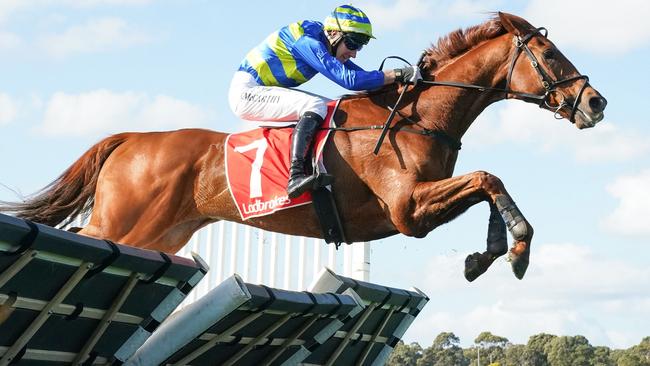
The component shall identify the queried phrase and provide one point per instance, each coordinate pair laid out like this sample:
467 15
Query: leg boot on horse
303 135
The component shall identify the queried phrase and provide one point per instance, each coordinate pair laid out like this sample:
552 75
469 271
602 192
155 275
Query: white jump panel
272 259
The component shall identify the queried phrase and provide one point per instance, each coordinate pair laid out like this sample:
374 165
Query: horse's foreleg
497 245
521 231
435 203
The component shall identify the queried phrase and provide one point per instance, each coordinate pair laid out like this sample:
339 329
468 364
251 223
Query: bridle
521 45
549 85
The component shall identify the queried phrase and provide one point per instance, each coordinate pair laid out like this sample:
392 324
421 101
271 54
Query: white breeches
253 102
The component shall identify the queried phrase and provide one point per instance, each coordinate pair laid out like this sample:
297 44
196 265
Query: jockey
263 87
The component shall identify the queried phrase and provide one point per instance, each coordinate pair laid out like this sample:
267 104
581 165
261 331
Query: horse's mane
448 48
458 42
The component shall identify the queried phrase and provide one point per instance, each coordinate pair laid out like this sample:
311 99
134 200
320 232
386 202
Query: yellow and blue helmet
348 19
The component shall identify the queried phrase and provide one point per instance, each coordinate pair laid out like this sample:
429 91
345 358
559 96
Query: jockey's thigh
254 102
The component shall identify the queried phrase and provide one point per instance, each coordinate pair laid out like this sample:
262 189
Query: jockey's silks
297 52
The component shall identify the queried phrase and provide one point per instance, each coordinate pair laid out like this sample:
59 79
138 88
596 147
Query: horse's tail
71 194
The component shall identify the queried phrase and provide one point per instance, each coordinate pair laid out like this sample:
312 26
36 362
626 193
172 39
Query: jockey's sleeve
351 65
351 77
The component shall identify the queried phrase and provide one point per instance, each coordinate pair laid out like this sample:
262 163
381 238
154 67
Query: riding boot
303 135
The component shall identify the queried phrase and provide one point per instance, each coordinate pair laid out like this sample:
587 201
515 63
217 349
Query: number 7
256 167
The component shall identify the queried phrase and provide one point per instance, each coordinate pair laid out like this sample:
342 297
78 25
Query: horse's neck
448 109
453 110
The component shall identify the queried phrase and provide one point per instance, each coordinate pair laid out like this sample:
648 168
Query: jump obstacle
276 260
70 299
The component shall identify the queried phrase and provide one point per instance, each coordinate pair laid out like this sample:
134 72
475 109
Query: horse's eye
548 54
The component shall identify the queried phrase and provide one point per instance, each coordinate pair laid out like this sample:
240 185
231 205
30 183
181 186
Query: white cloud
632 215
8 7
89 3
611 27
9 40
8 109
93 36
526 124
100 112
397 14
568 290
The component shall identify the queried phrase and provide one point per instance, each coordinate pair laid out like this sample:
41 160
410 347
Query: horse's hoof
519 262
519 268
474 267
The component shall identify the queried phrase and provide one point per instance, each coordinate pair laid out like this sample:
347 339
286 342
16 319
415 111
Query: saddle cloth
257 167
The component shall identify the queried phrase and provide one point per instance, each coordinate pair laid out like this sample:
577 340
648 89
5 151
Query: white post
347 260
274 259
210 255
233 250
331 257
221 253
246 275
195 242
361 261
317 260
260 256
301 264
287 261
195 248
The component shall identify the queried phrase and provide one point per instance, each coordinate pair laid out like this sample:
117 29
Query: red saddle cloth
257 167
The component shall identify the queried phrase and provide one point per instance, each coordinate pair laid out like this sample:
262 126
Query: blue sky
77 70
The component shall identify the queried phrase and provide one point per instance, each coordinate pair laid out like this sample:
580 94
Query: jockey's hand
408 75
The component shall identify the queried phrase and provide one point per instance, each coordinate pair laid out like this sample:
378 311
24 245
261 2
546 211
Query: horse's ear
515 25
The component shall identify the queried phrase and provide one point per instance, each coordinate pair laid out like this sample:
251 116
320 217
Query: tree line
541 350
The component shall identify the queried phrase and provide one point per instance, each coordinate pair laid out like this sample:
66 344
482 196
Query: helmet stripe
349 19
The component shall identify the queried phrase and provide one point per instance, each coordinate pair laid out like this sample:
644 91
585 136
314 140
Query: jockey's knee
315 105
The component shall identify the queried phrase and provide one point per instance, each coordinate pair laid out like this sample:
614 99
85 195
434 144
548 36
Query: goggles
355 41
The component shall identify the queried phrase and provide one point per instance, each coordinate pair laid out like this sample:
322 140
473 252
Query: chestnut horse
154 190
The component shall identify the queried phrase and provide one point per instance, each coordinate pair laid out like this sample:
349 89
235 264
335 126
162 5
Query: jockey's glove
408 75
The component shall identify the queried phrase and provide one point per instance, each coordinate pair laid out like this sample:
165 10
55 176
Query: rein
521 44
384 131
440 135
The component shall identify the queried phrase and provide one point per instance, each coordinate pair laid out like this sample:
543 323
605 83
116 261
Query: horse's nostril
597 104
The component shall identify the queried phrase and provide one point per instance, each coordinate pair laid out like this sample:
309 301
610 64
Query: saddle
257 171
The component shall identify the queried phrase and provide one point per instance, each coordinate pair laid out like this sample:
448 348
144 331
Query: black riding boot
303 135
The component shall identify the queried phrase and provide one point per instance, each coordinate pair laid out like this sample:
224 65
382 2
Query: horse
154 190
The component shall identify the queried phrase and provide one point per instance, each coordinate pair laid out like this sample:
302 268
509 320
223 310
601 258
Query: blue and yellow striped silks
271 62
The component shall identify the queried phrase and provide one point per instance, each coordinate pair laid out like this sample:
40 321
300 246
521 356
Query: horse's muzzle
590 110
